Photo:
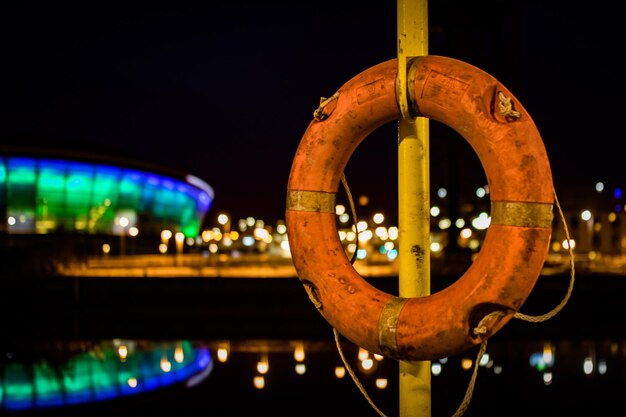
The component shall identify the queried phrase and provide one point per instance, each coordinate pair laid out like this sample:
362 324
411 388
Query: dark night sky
225 92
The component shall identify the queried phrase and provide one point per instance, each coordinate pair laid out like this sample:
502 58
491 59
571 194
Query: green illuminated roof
44 195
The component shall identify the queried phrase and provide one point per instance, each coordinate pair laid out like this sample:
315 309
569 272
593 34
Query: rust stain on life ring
503 274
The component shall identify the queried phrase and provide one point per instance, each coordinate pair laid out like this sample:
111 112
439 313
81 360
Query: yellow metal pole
413 200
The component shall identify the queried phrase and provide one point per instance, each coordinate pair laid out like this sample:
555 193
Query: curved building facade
42 193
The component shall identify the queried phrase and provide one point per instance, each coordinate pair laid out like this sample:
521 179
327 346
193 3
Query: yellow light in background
585 215
481 222
281 229
547 352
378 218
179 355
393 233
361 226
378 357
166 235
222 219
260 234
435 211
363 354
382 233
300 368
567 244
122 352
435 247
162 248
381 383
133 231
298 352
466 233
364 200
340 209
556 246
106 248
612 217
166 365
123 221
259 382
466 363
234 235
340 372
365 236
263 365
222 351
367 364
132 382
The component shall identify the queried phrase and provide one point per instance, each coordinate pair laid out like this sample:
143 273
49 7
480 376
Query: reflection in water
71 373
515 378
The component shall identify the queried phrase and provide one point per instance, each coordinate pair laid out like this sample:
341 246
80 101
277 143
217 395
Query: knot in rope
506 107
481 329
319 113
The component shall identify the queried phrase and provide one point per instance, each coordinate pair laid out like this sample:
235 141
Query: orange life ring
506 269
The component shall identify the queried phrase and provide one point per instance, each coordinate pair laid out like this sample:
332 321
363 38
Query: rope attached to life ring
319 113
506 107
478 330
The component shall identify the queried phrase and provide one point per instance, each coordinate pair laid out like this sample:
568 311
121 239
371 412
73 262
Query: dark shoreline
47 308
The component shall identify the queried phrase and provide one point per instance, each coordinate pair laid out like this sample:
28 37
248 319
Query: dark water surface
575 361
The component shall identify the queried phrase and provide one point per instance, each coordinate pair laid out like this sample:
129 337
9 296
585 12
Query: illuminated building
42 192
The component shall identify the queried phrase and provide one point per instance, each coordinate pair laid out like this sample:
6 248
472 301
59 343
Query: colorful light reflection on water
91 372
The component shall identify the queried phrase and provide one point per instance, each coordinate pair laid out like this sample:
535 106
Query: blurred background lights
259 382
599 187
300 368
547 378
466 363
436 368
482 221
381 383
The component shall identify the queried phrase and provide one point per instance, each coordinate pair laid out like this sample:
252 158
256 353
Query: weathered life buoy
506 269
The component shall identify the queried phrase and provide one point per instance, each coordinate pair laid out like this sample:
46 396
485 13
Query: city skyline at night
225 92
